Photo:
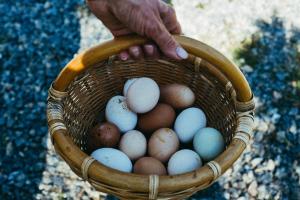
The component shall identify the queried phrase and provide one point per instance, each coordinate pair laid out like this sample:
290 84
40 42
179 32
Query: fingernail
149 49
181 53
135 51
123 57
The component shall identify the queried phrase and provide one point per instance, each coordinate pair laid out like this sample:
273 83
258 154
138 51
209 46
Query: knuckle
152 29
171 11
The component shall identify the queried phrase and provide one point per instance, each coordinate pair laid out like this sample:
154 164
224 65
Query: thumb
166 42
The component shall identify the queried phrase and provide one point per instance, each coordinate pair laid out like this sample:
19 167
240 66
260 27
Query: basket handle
197 48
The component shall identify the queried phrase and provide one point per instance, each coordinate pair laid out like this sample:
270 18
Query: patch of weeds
200 6
251 51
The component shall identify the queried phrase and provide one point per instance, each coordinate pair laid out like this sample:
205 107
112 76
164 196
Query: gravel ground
37 38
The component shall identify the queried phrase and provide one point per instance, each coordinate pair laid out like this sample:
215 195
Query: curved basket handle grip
199 49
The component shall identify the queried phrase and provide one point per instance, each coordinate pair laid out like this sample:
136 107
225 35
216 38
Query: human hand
151 18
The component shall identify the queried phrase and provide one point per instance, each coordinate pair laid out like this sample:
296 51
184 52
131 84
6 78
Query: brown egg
148 166
162 116
177 95
103 135
162 144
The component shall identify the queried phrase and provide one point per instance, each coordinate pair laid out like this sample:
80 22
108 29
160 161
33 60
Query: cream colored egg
142 95
118 113
127 84
133 144
184 161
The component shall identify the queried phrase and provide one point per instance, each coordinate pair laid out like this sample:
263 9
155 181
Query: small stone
277 95
247 68
270 165
226 195
252 189
248 177
262 192
242 198
9 149
259 136
293 128
255 162
263 126
280 136
280 173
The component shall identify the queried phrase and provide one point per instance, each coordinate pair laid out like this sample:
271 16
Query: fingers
124 55
168 16
151 51
158 32
136 52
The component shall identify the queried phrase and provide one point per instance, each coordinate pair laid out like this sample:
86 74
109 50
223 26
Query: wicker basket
78 96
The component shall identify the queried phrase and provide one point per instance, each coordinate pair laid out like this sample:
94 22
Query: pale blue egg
208 143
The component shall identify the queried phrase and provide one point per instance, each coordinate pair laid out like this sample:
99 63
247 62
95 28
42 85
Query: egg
142 95
177 95
162 116
149 166
133 144
188 122
184 161
118 113
127 84
103 135
162 144
113 158
208 143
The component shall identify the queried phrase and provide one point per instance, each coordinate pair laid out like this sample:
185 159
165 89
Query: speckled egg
118 113
103 135
162 144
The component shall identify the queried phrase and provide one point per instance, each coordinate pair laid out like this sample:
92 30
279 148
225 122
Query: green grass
249 57
200 6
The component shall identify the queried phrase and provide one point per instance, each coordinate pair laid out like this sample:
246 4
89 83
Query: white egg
118 113
184 161
113 158
188 122
127 85
134 144
208 143
142 95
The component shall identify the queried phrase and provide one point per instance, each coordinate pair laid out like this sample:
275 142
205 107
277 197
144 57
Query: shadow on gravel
272 60
37 38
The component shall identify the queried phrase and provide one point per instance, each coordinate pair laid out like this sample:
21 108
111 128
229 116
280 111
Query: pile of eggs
150 138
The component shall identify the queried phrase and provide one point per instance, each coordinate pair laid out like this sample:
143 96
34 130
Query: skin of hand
151 18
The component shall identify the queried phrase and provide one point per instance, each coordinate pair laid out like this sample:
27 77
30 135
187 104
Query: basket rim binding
142 186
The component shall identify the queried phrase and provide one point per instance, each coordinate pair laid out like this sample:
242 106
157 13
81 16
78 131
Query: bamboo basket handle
101 52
